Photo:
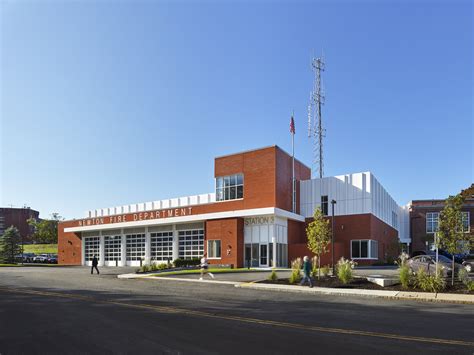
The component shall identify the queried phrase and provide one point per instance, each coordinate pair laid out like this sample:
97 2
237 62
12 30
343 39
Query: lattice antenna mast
316 132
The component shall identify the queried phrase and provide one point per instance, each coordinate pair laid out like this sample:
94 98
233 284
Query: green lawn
6 265
41 248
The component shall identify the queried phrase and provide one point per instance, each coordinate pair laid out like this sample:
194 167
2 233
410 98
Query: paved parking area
71 311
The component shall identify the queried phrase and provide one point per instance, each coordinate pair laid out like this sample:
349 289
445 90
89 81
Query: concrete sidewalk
401 295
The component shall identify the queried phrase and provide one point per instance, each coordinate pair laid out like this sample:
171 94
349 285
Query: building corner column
147 247
123 250
175 243
101 250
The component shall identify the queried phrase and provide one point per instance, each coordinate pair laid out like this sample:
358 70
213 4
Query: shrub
430 283
273 276
463 276
186 262
325 270
153 267
295 270
162 266
145 268
344 270
404 275
402 259
470 286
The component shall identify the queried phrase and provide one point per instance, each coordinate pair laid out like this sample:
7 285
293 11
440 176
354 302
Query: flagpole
293 182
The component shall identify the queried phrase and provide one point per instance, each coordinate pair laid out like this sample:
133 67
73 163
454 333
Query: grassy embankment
41 248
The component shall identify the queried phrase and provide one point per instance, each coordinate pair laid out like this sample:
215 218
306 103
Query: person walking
306 272
95 262
204 267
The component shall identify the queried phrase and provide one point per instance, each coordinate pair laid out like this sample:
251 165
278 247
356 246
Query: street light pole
333 202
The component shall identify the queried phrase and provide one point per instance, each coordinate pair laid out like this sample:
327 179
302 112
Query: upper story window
230 187
432 222
324 205
466 221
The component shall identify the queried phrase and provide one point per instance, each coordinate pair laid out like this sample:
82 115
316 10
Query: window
466 222
135 246
364 249
432 222
230 187
263 254
113 247
161 246
324 205
91 248
214 249
191 243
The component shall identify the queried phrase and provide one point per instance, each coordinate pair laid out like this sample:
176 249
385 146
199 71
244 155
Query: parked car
468 262
52 259
418 252
427 263
42 258
28 257
458 258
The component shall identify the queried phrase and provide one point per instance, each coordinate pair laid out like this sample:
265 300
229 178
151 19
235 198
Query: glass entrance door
263 254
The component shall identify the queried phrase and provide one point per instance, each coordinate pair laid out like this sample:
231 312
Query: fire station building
247 219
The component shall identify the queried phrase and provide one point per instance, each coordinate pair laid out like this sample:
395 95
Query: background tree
319 236
45 231
451 236
10 245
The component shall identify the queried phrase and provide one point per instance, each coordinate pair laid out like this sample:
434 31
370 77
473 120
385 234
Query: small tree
45 231
10 245
319 236
451 236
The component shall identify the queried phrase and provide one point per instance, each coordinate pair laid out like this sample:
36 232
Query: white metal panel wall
154 205
351 191
356 193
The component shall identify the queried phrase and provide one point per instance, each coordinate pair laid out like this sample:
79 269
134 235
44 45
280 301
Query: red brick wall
346 228
231 234
417 221
69 246
258 167
284 172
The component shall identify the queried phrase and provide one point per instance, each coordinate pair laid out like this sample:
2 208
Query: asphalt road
69 311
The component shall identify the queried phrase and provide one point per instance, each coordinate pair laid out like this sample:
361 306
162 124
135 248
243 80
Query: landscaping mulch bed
362 283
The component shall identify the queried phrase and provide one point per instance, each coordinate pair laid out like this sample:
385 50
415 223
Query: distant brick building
424 216
18 218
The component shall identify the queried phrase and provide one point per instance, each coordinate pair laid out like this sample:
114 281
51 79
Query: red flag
292 125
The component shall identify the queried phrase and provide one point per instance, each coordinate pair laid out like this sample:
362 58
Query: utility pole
316 132
333 202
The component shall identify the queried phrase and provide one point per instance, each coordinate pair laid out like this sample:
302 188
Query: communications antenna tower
316 132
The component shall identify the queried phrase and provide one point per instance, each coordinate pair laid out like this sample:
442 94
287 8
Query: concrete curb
191 280
132 276
398 295
167 278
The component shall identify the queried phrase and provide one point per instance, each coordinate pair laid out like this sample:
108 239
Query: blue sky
115 102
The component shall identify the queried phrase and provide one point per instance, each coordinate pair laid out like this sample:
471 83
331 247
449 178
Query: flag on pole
292 125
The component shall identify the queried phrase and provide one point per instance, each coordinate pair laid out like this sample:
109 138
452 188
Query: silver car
428 263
